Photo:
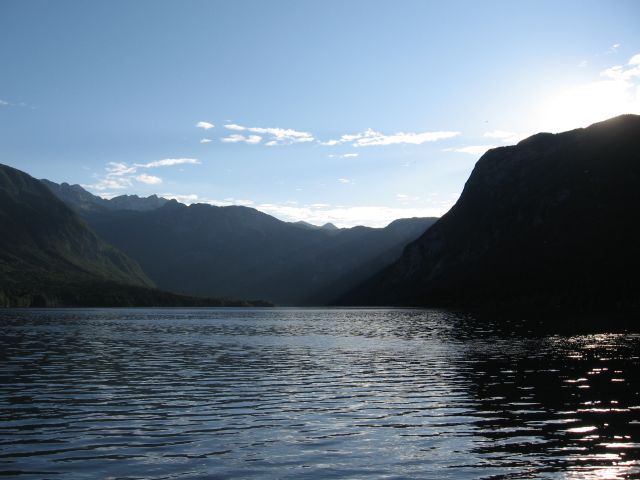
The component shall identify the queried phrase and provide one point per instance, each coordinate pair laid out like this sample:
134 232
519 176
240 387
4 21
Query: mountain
241 252
551 223
50 257
79 199
44 243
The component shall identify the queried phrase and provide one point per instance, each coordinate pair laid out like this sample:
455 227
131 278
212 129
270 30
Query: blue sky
354 112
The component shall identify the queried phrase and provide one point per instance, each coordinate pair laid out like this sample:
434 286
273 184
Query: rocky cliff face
549 223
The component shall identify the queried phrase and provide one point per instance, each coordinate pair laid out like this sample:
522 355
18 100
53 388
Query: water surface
301 393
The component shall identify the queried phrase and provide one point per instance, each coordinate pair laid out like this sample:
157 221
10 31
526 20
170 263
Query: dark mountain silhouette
50 257
326 226
551 223
79 199
241 252
329 226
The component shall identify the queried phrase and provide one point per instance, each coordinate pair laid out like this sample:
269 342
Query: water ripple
354 393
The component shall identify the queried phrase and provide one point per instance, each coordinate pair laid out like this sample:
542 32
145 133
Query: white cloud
187 199
110 184
233 126
204 125
149 179
471 149
350 216
287 136
227 202
233 139
283 136
237 138
120 175
275 136
253 139
4 103
613 48
371 138
346 155
616 92
321 213
205 140
344 180
236 201
169 162
376 138
624 73
117 169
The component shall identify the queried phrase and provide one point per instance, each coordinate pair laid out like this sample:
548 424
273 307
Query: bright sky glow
329 111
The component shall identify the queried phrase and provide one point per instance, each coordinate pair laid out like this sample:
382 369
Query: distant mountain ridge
80 199
551 223
50 257
43 242
241 252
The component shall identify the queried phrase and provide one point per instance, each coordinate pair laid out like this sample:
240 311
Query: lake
313 394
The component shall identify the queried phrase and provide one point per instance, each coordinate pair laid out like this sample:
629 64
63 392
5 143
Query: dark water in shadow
167 394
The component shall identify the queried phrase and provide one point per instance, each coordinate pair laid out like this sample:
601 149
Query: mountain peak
549 224
76 197
329 226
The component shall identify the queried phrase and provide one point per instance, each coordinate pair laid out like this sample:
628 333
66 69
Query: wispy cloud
233 126
624 73
283 136
237 138
117 176
229 201
168 162
149 179
204 125
5 103
205 140
345 180
187 199
613 48
615 92
372 138
120 175
346 155
350 216
274 135
330 143
340 215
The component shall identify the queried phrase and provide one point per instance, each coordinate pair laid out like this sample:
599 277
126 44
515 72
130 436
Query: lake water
302 393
